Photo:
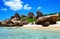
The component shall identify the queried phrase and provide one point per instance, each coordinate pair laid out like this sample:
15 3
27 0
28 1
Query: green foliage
30 20
58 18
59 14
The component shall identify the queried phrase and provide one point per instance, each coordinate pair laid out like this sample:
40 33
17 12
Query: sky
9 7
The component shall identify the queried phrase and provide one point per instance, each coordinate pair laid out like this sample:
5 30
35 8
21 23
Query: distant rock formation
23 16
39 14
30 15
16 17
40 19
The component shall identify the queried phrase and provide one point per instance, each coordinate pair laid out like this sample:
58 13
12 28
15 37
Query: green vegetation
30 20
58 19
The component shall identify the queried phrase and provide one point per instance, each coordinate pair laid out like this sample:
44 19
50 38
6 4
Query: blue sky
9 7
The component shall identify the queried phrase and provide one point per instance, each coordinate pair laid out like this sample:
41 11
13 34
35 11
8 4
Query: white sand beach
54 27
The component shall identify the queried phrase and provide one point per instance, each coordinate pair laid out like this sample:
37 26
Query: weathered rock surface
41 20
45 24
30 15
52 19
39 14
25 22
17 16
9 22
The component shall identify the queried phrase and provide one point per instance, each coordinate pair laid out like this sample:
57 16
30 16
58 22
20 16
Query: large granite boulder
52 19
39 14
18 23
30 15
9 22
17 16
25 22
41 20
46 24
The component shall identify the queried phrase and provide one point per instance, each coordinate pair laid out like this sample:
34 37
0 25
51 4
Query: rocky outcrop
9 22
30 15
17 16
52 19
17 23
41 20
46 24
25 22
39 14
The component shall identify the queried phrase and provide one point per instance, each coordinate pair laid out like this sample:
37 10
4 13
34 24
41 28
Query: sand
55 27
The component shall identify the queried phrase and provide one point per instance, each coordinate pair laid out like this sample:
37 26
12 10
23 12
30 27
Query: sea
26 33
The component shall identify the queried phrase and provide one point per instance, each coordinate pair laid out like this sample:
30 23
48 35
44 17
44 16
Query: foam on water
23 33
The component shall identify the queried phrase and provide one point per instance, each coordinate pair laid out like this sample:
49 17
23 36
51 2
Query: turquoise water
24 33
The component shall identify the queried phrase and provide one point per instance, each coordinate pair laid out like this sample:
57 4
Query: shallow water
24 33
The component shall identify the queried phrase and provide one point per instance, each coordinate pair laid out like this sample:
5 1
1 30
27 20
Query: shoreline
55 27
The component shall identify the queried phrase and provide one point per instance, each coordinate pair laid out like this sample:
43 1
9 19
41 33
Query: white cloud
26 7
4 9
16 5
38 7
